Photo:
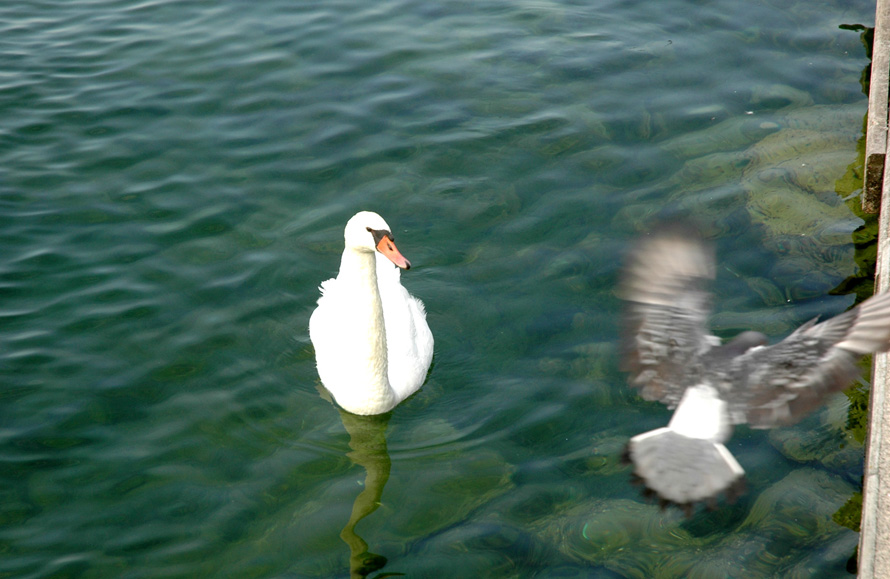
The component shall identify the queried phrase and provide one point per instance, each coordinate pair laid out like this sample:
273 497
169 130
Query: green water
174 180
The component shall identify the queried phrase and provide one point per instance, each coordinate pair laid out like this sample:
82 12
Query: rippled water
174 179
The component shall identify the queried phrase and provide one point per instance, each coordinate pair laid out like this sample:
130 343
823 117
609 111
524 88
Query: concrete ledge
874 535
876 128
874 180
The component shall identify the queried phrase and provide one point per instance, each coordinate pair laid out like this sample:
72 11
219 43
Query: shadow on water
861 283
865 237
367 439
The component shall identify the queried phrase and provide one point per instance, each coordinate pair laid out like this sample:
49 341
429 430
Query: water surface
174 180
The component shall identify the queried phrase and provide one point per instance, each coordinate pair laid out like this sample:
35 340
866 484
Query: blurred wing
781 384
666 311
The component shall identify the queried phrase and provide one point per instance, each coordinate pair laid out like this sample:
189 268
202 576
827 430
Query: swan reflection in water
367 439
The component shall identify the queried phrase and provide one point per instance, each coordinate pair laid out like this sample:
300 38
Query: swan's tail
683 470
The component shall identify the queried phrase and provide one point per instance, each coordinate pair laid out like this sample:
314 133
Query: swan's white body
373 346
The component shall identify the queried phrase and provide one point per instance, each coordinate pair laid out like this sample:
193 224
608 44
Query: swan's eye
369 229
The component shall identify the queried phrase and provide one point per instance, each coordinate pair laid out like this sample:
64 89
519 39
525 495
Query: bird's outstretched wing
780 384
666 309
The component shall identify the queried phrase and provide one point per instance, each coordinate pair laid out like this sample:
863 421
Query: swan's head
367 231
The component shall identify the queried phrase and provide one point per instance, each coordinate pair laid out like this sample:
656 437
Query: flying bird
671 357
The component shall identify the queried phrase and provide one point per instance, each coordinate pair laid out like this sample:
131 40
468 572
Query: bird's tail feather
684 470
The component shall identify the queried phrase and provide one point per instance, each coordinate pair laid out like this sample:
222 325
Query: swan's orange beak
387 247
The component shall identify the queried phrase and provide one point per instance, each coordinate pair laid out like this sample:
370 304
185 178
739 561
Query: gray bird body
672 357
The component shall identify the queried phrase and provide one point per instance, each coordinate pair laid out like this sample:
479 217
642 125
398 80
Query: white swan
373 346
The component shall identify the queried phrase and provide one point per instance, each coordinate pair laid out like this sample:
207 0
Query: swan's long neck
358 269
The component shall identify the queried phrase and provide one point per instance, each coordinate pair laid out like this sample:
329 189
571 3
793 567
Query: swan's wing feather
666 310
323 316
409 340
326 287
